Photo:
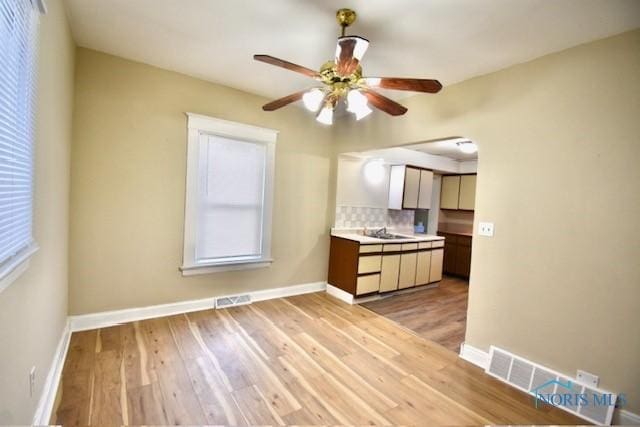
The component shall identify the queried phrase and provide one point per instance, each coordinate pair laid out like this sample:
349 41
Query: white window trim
16 265
197 125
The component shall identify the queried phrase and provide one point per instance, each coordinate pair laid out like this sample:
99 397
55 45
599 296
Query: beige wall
33 309
128 186
559 175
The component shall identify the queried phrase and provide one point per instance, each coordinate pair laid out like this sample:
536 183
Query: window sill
11 271
193 270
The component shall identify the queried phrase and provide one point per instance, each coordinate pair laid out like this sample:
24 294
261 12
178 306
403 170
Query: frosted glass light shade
313 99
325 116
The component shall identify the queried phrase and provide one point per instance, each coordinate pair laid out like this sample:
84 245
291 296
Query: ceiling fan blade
279 103
288 65
383 103
399 83
349 53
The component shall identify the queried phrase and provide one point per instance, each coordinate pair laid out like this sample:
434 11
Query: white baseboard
474 355
50 388
340 294
624 417
104 319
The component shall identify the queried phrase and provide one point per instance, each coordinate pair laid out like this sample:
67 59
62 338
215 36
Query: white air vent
232 301
538 380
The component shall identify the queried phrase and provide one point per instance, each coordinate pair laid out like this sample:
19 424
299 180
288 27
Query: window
229 195
18 50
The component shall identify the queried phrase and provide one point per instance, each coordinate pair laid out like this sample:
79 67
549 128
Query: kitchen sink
388 236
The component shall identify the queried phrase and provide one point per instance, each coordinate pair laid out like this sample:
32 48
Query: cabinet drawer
393 248
368 284
409 246
370 248
424 245
369 264
437 244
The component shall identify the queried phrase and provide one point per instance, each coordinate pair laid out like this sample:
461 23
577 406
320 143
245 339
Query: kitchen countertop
356 235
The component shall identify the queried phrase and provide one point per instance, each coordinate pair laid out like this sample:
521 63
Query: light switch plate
485 229
587 378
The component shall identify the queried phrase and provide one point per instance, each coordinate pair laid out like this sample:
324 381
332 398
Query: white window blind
229 195
18 50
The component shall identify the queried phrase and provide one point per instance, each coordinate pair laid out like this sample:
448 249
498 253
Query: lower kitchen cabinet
407 278
423 267
457 254
435 272
389 273
365 269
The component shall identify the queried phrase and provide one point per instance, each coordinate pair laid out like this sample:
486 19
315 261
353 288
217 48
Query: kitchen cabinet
458 192
410 187
407 278
426 186
362 269
423 267
390 272
450 192
467 199
435 272
457 254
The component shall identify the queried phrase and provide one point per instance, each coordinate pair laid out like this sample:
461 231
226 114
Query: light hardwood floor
438 314
308 359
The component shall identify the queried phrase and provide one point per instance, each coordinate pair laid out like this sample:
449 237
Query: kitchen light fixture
467 147
313 99
374 171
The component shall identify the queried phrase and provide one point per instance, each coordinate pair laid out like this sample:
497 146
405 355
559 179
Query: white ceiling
450 40
445 147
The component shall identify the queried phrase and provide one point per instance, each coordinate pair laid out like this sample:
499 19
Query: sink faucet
383 230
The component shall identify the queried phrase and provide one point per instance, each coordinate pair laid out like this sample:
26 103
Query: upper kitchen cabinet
410 187
450 192
467 200
458 192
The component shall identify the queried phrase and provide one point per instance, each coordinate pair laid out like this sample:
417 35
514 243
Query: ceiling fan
343 80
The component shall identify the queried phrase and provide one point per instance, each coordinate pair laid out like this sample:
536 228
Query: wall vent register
540 381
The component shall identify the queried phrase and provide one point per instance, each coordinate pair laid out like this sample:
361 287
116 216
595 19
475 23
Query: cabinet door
426 184
407 277
390 273
450 192
467 199
423 267
463 261
411 187
436 265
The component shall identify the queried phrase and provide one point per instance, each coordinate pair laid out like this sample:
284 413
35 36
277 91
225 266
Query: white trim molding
340 294
47 399
83 322
474 355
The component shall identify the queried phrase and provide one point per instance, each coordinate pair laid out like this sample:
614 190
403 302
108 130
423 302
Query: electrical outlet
485 229
32 381
587 378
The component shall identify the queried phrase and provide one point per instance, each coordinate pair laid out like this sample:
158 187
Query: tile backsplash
355 217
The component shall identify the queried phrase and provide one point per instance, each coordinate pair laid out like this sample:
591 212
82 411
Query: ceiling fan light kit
343 80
